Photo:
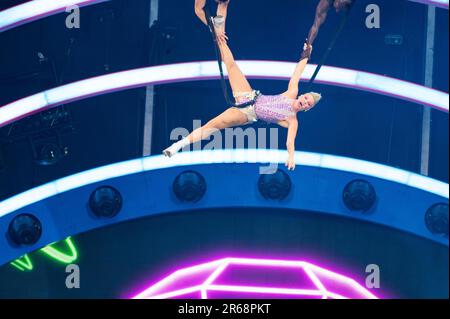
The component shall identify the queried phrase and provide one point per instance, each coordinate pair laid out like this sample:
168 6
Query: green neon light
60 256
23 263
16 266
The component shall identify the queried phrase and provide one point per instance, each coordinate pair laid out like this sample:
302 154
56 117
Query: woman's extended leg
230 118
237 79
222 11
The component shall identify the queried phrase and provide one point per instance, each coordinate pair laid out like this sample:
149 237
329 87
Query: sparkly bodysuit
273 108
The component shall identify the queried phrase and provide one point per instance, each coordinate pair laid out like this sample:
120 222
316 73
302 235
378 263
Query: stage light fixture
359 195
25 229
189 186
275 186
106 201
49 154
153 163
436 219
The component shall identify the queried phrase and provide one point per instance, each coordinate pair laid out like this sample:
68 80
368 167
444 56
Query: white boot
176 147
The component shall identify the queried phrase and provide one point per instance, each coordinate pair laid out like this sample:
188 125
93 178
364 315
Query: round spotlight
275 186
359 195
189 186
436 219
105 201
25 229
49 154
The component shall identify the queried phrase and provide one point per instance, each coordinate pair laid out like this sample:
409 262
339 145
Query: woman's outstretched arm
292 91
290 143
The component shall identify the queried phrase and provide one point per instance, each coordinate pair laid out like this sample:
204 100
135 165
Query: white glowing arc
207 70
222 157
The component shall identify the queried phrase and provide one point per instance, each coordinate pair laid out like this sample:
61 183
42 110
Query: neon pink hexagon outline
313 272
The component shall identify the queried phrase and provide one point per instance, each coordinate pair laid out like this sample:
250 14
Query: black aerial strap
223 82
341 26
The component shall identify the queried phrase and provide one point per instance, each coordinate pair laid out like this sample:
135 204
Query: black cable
330 46
223 82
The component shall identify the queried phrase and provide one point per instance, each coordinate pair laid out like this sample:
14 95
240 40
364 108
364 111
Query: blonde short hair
316 96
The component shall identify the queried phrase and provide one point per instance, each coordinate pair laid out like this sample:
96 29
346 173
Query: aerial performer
279 109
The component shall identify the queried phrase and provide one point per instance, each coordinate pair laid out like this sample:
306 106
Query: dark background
114 36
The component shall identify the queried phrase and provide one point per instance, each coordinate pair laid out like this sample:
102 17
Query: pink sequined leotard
273 108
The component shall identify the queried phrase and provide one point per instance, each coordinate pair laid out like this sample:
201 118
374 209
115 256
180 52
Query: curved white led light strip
37 9
208 70
437 3
218 157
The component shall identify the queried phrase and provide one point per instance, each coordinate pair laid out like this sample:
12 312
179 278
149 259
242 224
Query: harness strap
223 82
344 19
